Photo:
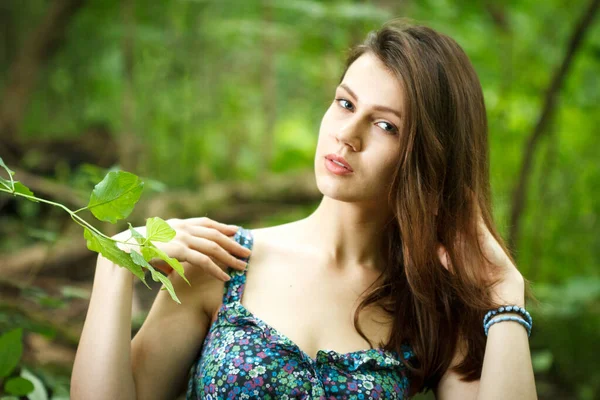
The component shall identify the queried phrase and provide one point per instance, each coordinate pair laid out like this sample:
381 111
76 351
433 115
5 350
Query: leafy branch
111 200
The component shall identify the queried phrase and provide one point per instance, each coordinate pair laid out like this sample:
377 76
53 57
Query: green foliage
158 230
111 200
18 386
39 386
11 348
109 249
156 276
567 323
210 110
114 198
10 351
150 251
10 184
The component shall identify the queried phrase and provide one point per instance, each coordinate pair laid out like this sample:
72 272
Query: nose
349 134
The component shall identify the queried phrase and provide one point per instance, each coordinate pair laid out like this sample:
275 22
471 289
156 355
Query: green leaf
139 259
109 249
11 172
138 236
20 188
114 197
150 251
168 285
18 386
156 276
11 349
5 183
158 230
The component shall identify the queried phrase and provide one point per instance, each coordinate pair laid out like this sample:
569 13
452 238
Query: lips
341 160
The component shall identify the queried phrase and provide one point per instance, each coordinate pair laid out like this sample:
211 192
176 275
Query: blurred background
217 106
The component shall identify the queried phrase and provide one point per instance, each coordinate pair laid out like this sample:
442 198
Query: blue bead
526 321
509 318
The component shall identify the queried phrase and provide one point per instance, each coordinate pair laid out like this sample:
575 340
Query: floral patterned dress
244 358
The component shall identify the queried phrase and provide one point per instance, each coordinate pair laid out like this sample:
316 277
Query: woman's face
362 125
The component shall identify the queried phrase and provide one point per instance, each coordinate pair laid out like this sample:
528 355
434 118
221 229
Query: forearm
507 369
102 368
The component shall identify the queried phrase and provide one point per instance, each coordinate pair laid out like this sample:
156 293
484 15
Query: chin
337 189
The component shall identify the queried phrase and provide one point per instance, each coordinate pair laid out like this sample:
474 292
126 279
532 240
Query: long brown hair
442 178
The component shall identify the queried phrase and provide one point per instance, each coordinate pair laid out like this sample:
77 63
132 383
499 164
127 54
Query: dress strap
233 289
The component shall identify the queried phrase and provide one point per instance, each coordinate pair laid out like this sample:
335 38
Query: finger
209 223
221 265
215 251
219 238
203 261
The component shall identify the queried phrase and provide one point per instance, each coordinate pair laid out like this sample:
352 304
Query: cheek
386 162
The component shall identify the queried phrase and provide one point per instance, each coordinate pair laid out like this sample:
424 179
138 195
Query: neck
348 233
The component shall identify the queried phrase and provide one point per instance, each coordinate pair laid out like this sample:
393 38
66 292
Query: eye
343 102
390 128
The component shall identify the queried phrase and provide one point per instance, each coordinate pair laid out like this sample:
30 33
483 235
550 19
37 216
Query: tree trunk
520 193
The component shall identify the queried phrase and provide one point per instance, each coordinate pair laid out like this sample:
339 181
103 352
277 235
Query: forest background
217 106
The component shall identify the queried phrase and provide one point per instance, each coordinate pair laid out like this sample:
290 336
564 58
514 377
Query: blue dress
244 358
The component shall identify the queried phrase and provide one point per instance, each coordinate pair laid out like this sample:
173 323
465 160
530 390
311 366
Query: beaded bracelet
508 318
505 309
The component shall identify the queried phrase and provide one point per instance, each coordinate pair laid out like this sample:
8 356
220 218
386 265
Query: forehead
373 83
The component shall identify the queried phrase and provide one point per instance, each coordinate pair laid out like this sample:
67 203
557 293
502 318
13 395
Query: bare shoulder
272 241
208 291
274 234
277 236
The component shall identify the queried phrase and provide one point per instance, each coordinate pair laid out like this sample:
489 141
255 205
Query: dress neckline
382 356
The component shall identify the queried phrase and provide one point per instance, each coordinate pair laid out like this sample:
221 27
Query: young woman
381 292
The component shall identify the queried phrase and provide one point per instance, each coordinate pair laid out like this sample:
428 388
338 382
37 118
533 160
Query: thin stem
80 221
12 182
38 199
81 209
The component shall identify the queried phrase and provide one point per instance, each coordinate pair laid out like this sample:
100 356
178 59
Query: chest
312 303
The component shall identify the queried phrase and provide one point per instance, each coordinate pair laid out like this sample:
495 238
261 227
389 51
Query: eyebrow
375 107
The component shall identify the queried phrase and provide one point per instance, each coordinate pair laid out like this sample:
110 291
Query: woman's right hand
198 242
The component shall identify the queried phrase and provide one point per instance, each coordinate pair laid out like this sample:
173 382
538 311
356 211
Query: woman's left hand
511 288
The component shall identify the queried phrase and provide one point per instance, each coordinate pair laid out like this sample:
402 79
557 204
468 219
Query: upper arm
167 343
451 387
